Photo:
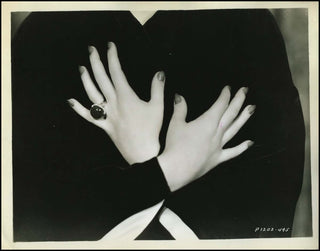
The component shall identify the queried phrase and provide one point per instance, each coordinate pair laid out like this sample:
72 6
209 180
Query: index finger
117 75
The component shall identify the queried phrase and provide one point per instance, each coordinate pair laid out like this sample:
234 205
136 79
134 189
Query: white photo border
6 154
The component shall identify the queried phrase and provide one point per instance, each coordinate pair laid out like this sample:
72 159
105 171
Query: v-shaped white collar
143 16
131 227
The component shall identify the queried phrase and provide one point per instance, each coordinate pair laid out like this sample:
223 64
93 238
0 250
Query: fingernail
251 109
81 69
250 143
229 87
161 76
90 49
177 99
245 90
109 45
70 102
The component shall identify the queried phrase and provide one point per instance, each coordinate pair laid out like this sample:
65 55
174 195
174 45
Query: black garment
155 230
200 52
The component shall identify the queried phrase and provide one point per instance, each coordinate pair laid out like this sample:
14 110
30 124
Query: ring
97 112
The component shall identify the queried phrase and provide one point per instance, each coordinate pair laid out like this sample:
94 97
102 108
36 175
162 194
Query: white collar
143 16
131 227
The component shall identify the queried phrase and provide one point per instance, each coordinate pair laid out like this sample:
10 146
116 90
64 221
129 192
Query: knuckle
224 101
222 125
208 129
233 112
242 119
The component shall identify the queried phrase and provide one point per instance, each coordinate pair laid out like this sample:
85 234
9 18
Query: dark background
293 24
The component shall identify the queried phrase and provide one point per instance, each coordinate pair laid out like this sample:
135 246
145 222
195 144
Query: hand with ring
132 124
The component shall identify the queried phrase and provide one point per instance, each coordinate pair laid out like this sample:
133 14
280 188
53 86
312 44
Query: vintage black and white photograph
160 124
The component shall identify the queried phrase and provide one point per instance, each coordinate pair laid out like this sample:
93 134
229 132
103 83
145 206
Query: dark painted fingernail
251 109
81 69
177 99
245 90
250 143
109 45
90 49
70 102
161 76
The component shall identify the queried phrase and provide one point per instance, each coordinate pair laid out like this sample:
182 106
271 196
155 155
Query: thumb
180 109
157 87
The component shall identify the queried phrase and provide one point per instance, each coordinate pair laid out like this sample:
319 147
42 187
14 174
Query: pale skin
192 149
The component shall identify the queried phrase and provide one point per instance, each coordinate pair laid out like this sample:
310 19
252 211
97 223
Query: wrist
167 164
146 153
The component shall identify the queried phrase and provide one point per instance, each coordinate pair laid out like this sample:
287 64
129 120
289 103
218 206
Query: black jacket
67 180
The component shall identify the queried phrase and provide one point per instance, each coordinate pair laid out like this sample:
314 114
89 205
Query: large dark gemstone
97 112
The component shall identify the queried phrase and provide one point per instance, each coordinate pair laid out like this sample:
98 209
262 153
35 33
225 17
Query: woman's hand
192 149
132 124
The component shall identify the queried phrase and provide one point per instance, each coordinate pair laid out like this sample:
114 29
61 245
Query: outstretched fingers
238 123
233 109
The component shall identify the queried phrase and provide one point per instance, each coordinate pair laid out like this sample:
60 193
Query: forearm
88 206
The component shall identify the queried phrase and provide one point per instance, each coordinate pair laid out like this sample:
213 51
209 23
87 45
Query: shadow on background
293 24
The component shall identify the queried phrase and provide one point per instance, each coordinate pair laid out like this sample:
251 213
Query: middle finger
91 90
100 74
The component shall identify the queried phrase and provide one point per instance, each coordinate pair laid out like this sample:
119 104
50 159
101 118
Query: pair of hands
192 149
